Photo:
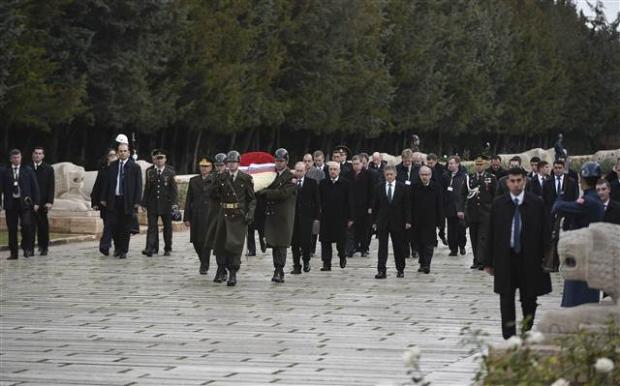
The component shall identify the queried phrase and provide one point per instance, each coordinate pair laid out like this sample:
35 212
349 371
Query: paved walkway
76 317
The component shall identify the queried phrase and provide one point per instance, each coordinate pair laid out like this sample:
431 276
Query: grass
4 237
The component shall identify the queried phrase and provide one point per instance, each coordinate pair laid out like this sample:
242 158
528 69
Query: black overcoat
335 209
427 212
534 237
307 209
197 208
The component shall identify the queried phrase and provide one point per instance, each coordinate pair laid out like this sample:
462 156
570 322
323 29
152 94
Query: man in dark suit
335 215
559 184
496 167
121 195
427 215
377 163
21 198
517 238
478 194
307 212
454 208
280 200
438 169
391 213
614 182
160 199
537 181
45 179
96 197
361 191
198 212
612 208
407 173
533 167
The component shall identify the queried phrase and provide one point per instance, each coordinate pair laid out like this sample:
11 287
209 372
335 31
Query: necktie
121 174
158 173
16 182
299 185
15 173
558 187
390 193
516 221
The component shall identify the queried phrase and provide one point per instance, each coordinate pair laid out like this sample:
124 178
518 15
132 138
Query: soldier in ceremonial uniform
197 211
280 203
215 209
234 192
160 199
478 193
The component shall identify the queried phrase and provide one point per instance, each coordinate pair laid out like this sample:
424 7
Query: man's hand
103 203
187 223
349 223
580 200
460 215
369 210
407 226
96 207
489 270
48 206
36 208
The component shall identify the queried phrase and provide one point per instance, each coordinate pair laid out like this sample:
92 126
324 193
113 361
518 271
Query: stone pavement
76 317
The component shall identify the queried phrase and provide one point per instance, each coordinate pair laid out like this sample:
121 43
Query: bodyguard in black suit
45 179
307 211
391 213
21 198
96 196
427 215
518 234
335 215
612 208
361 190
122 192
537 180
160 199
454 208
559 184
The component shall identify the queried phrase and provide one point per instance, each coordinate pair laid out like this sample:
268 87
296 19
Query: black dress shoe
105 252
400 275
326 268
462 250
232 280
122 256
250 254
218 276
380 275
452 253
296 271
43 252
474 266
481 267
364 254
145 251
28 253
167 253
343 262
281 275
117 253
203 269
427 270
306 266
13 256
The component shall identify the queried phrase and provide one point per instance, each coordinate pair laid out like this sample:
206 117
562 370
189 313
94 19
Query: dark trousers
360 233
398 244
230 261
204 254
105 243
120 224
300 252
23 217
279 257
251 239
315 238
507 302
41 229
477 235
425 251
152 234
409 247
326 251
456 234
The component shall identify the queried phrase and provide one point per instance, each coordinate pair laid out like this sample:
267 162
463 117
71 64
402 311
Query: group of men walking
509 213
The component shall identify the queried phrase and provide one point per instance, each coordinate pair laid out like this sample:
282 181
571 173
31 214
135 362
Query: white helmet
122 138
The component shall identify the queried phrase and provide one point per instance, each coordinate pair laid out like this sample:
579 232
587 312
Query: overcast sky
611 7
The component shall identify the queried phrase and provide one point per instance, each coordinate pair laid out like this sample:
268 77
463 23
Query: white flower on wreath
561 382
604 365
534 337
412 356
514 342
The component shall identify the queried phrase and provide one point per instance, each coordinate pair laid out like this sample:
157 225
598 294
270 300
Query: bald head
425 174
334 169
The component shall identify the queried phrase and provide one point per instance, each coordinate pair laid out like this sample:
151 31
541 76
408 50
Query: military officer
280 199
234 192
478 193
160 199
215 210
196 215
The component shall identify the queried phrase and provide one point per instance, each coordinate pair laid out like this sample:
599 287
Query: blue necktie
390 193
516 219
